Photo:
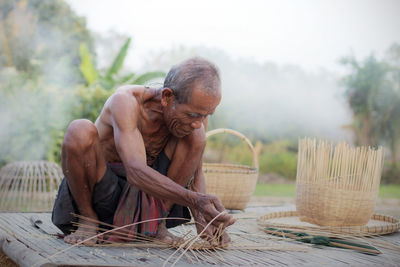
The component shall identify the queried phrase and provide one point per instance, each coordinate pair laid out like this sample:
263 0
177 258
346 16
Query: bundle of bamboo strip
29 186
337 186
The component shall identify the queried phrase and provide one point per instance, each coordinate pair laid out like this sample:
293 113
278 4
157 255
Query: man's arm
130 146
199 185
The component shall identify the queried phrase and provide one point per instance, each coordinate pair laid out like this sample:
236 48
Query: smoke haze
268 101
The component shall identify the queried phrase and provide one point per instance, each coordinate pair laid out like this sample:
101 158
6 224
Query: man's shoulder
130 89
127 95
125 100
128 92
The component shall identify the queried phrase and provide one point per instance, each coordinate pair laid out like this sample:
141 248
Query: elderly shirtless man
157 136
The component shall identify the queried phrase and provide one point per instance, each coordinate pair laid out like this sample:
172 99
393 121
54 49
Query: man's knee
195 144
80 135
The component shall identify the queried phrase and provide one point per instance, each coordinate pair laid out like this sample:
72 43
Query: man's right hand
209 232
206 209
210 206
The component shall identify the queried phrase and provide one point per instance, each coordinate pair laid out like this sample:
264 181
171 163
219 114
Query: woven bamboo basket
337 186
29 186
234 184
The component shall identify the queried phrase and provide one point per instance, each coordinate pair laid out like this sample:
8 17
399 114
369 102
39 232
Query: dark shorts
105 199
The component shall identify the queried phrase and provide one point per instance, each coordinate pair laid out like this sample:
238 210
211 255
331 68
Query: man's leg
83 165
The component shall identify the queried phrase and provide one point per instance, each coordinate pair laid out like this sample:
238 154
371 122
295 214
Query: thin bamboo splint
29 186
337 186
190 244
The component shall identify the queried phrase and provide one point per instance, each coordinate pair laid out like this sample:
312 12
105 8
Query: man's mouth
184 133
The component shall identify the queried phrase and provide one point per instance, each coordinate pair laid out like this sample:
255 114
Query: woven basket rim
207 164
393 224
330 187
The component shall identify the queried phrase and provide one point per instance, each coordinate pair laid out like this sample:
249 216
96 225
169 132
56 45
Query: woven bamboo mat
30 246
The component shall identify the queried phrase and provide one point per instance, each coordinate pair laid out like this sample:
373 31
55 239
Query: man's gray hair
182 78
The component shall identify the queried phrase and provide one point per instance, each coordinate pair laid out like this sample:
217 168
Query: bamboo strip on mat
190 248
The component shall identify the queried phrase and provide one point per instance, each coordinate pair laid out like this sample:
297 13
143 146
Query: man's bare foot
84 231
165 236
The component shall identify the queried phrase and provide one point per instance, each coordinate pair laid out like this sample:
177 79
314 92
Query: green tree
391 120
365 86
373 95
39 59
41 37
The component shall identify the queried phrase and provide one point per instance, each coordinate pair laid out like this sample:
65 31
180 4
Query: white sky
311 34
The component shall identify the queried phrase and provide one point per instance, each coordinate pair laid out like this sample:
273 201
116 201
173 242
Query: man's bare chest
154 145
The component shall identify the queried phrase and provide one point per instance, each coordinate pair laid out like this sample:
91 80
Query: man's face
183 119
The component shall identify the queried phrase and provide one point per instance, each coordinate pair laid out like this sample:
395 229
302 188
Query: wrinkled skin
135 125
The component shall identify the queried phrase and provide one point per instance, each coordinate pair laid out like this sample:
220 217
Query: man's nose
196 124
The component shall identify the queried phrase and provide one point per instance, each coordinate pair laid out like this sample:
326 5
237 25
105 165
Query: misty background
286 68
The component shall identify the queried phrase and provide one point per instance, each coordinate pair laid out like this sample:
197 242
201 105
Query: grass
275 190
288 190
389 191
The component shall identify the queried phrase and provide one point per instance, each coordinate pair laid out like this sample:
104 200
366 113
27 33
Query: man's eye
193 115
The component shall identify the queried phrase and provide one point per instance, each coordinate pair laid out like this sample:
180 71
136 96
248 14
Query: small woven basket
337 186
29 186
234 184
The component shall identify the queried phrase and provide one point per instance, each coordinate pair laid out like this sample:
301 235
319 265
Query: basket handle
241 136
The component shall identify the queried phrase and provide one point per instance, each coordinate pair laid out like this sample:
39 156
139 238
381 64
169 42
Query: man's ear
167 96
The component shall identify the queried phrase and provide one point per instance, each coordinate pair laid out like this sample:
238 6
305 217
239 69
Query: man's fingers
218 205
207 233
226 219
225 239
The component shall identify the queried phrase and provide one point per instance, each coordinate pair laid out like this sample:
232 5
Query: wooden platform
28 245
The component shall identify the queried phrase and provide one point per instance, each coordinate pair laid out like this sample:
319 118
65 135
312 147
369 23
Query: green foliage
224 148
366 88
374 97
87 67
90 101
48 77
146 77
39 58
389 191
279 157
100 86
275 190
289 190
391 173
40 38
119 60
32 115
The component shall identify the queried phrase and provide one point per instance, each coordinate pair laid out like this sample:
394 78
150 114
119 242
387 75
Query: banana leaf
87 67
148 76
119 59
